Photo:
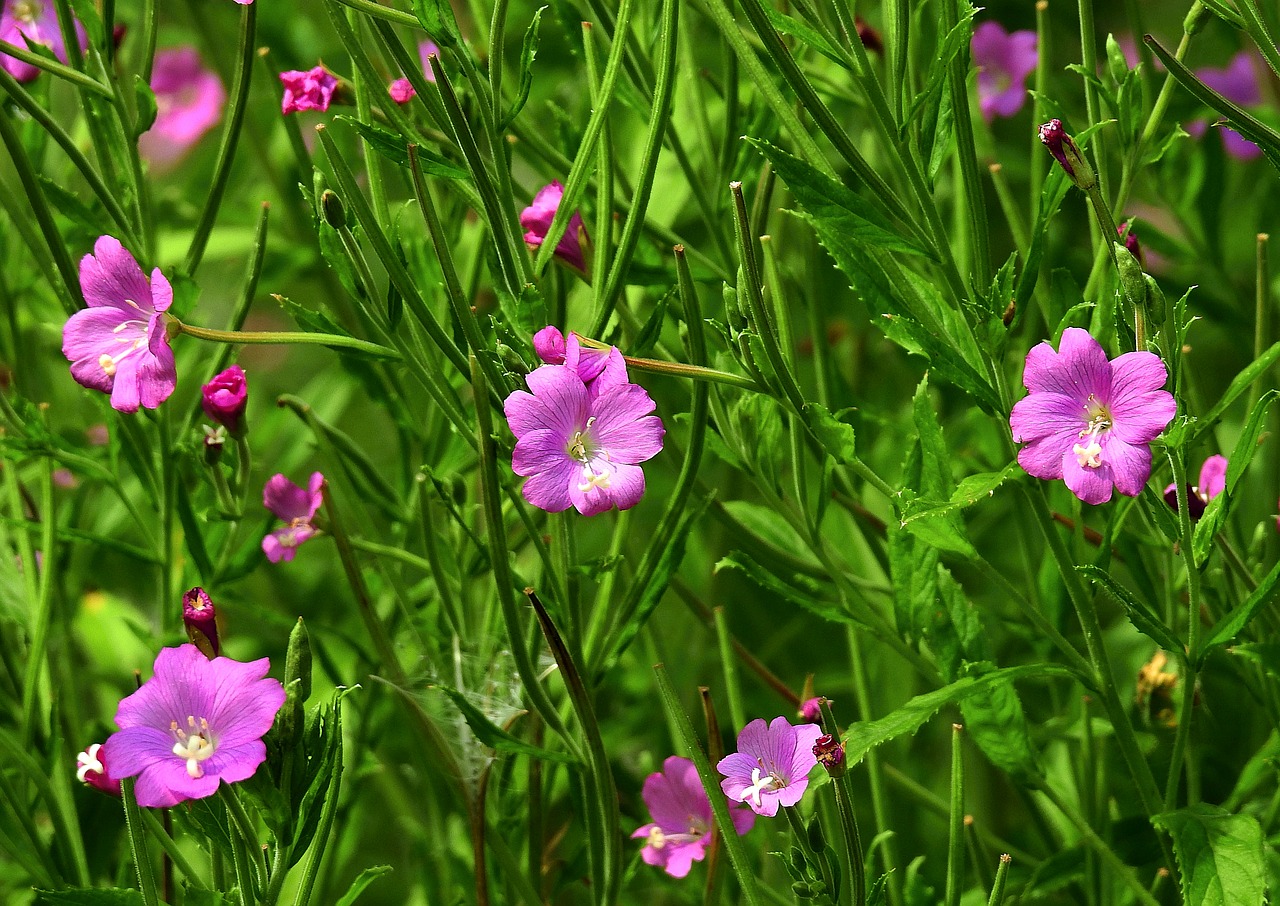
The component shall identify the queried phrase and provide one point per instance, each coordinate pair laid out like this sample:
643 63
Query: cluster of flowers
770 770
315 88
199 721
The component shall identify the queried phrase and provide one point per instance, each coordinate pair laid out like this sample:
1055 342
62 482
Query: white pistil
761 784
1089 455
88 761
193 745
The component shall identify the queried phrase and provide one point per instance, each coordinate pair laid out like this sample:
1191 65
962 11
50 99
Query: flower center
583 448
193 745
767 783
135 339
1089 453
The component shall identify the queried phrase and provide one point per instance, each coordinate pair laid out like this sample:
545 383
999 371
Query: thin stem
138 844
1187 678
955 822
171 848
263 337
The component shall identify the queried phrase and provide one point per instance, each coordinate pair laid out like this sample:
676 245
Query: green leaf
971 490
1189 433
1219 856
395 148
90 896
1234 623
528 53
1140 614
363 880
995 721
793 588
1225 13
493 736
437 18
145 99
836 437
789 25
863 736
1215 514
1265 654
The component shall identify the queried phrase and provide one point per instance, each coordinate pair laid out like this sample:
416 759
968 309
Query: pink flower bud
830 754
91 770
200 618
224 399
309 90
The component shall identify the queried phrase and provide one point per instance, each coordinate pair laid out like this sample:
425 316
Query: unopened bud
830 754
334 213
811 709
1065 151
1130 240
200 618
91 770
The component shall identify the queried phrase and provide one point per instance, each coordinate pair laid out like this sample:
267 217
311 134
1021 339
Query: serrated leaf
794 588
395 148
1234 623
493 736
528 53
1219 856
835 436
995 721
1140 614
789 25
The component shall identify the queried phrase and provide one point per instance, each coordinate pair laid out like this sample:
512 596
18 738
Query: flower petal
1078 369
111 277
1213 477
1093 486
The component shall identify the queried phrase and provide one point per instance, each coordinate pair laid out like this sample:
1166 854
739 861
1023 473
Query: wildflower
682 822
600 369
91 771
1213 481
829 751
1238 83
1089 421
579 451
401 90
310 90
24 22
189 101
297 507
119 344
1004 60
224 398
194 724
772 765
811 709
1065 151
200 618
536 219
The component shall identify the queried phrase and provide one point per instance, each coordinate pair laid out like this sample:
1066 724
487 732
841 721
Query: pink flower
189 101
1004 60
811 709
578 450
1089 421
297 507
772 765
600 369
225 397
1239 84
401 90
200 618
194 724
91 771
1213 481
680 831
310 90
536 219
119 344
26 22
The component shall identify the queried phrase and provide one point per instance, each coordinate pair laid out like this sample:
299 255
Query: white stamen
761 784
193 747
88 761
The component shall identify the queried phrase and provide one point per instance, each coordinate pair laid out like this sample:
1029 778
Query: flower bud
1130 240
811 709
830 754
224 398
92 771
201 620
1065 151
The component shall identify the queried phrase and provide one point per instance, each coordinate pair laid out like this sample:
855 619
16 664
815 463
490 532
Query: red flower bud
201 620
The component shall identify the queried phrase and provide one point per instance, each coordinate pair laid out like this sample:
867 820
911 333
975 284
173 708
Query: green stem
1002 874
694 372
1187 677
975 205
813 857
1261 316
171 848
62 71
955 821
37 653
848 817
263 337
138 844
729 666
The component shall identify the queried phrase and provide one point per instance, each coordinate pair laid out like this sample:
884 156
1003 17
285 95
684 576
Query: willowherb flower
24 22
1213 481
297 507
1237 82
311 89
401 90
600 369
577 450
536 219
90 770
189 100
1054 136
811 709
200 619
194 724
119 344
829 751
224 399
1090 421
1004 60
771 767
682 822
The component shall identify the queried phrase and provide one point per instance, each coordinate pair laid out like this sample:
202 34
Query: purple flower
772 765
24 22
194 724
600 369
297 507
401 90
189 101
200 618
1004 60
310 90
536 219
119 344
91 770
1213 481
224 398
1238 83
579 450
1089 421
682 820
